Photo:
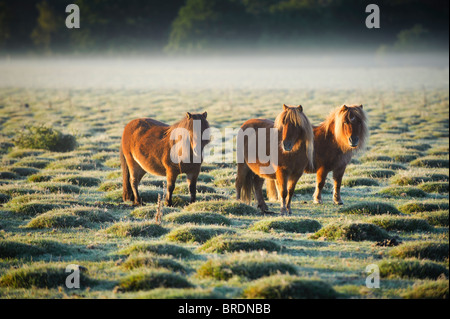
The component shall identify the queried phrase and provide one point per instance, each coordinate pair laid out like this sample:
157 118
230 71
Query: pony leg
291 189
257 185
136 174
282 188
244 183
192 180
171 179
321 178
337 176
272 192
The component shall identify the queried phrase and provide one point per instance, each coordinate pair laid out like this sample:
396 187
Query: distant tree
48 23
4 23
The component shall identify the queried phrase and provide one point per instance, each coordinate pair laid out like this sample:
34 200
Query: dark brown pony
295 149
336 140
149 146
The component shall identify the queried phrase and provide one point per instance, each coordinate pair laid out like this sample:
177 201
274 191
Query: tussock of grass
148 196
33 162
149 211
370 208
430 163
201 188
435 187
151 261
289 287
290 224
35 208
180 293
23 171
68 218
190 234
423 207
110 186
430 290
309 189
389 165
375 158
136 229
411 269
13 249
152 279
79 180
18 153
405 180
222 207
157 248
40 137
402 192
438 218
225 243
9 175
39 178
351 231
245 265
374 173
422 250
80 164
40 277
59 188
401 223
357 181
204 218
4 198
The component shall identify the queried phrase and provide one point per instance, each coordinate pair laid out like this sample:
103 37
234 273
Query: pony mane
184 123
296 117
335 122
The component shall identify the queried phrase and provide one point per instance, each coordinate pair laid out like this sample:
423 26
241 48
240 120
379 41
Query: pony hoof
267 212
318 201
339 203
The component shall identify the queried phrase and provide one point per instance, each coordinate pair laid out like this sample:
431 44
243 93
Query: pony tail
272 192
247 187
127 190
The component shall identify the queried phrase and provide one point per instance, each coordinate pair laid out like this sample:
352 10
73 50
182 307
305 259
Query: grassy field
61 208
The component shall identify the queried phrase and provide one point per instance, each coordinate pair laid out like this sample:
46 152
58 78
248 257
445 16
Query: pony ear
300 108
188 115
344 107
361 106
205 114
285 107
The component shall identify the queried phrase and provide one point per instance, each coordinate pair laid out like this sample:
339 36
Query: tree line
191 26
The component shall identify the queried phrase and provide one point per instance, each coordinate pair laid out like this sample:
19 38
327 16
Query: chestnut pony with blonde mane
146 148
341 135
295 149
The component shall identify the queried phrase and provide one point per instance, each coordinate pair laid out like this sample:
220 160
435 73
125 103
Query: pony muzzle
353 141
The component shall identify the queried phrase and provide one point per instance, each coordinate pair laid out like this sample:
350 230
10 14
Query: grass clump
59 188
225 243
435 187
245 265
290 224
430 290
222 207
24 171
152 279
40 277
39 178
148 196
406 180
13 249
402 192
70 218
352 231
423 207
359 181
18 153
289 287
422 250
411 269
401 223
110 186
4 198
136 229
439 218
204 218
370 208
41 137
375 173
79 180
189 234
157 248
149 211
181 293
430 163
8 175
151 261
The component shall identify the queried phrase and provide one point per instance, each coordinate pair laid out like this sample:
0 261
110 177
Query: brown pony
295 149
148 147
341 135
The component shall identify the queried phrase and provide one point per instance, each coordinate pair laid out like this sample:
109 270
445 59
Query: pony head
295 129
350 127
197 124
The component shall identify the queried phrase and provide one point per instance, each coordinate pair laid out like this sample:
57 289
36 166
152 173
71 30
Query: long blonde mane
334 124
295 116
